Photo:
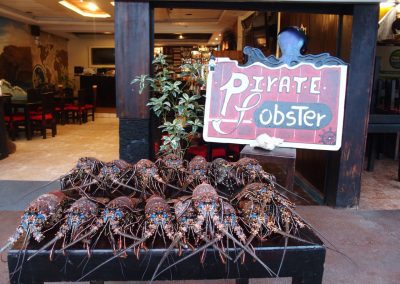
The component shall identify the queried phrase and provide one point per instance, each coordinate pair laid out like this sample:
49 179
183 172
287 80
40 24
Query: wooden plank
344 171
132 56
133 44
270 6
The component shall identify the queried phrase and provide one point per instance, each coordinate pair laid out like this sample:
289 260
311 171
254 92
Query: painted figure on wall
21 53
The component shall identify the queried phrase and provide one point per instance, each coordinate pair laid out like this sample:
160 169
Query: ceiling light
180 36
112 3
81 10
92 7
219 34
387 4
216 38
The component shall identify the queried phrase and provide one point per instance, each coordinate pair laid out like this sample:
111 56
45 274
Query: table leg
372 153
312 277
290 169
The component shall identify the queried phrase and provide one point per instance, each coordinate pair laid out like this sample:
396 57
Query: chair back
33 95
81 97
8 107
47 102
69 93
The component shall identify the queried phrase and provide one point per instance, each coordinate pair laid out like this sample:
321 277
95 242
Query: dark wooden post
345 166
133 22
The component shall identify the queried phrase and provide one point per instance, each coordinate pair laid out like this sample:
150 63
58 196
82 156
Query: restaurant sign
301 104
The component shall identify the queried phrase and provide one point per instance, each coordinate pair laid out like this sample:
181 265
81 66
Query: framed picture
102 57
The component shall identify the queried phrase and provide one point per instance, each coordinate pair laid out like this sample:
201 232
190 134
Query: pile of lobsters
183 204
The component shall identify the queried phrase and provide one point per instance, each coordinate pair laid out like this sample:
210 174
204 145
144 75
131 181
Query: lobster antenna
246 244
167 252
287 235
218 249
92 231
198 250
249 252
332 246
112 258
20 262
127 186
288 191
122 234
180 189
54 240
7 245
34 190
284 251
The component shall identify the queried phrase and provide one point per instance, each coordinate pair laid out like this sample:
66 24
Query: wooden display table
303 262
279 162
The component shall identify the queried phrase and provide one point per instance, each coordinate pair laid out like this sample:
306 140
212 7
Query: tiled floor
47 159
380 189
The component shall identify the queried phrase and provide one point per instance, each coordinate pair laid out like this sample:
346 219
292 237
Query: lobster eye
41 217
118 214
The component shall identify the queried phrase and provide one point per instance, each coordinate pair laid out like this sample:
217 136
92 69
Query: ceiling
55 18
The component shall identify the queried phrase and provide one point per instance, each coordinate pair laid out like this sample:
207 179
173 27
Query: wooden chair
33 96
59 104
90 105
14 121
77 111
45 120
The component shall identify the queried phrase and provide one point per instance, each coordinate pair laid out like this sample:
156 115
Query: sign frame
330 135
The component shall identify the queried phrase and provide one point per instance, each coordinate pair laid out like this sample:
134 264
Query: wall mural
22 55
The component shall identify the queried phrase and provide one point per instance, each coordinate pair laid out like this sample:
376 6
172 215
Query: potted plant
176 102
64 79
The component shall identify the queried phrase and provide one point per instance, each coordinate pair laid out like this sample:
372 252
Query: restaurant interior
57 63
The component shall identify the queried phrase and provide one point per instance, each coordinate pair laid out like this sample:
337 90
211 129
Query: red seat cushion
47 116
198 150
15 117
88 106
234 148
34 112
218 152
71 107
57 109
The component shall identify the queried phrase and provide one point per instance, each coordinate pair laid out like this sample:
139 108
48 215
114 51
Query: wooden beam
315 8
132 56
133 34
343 181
